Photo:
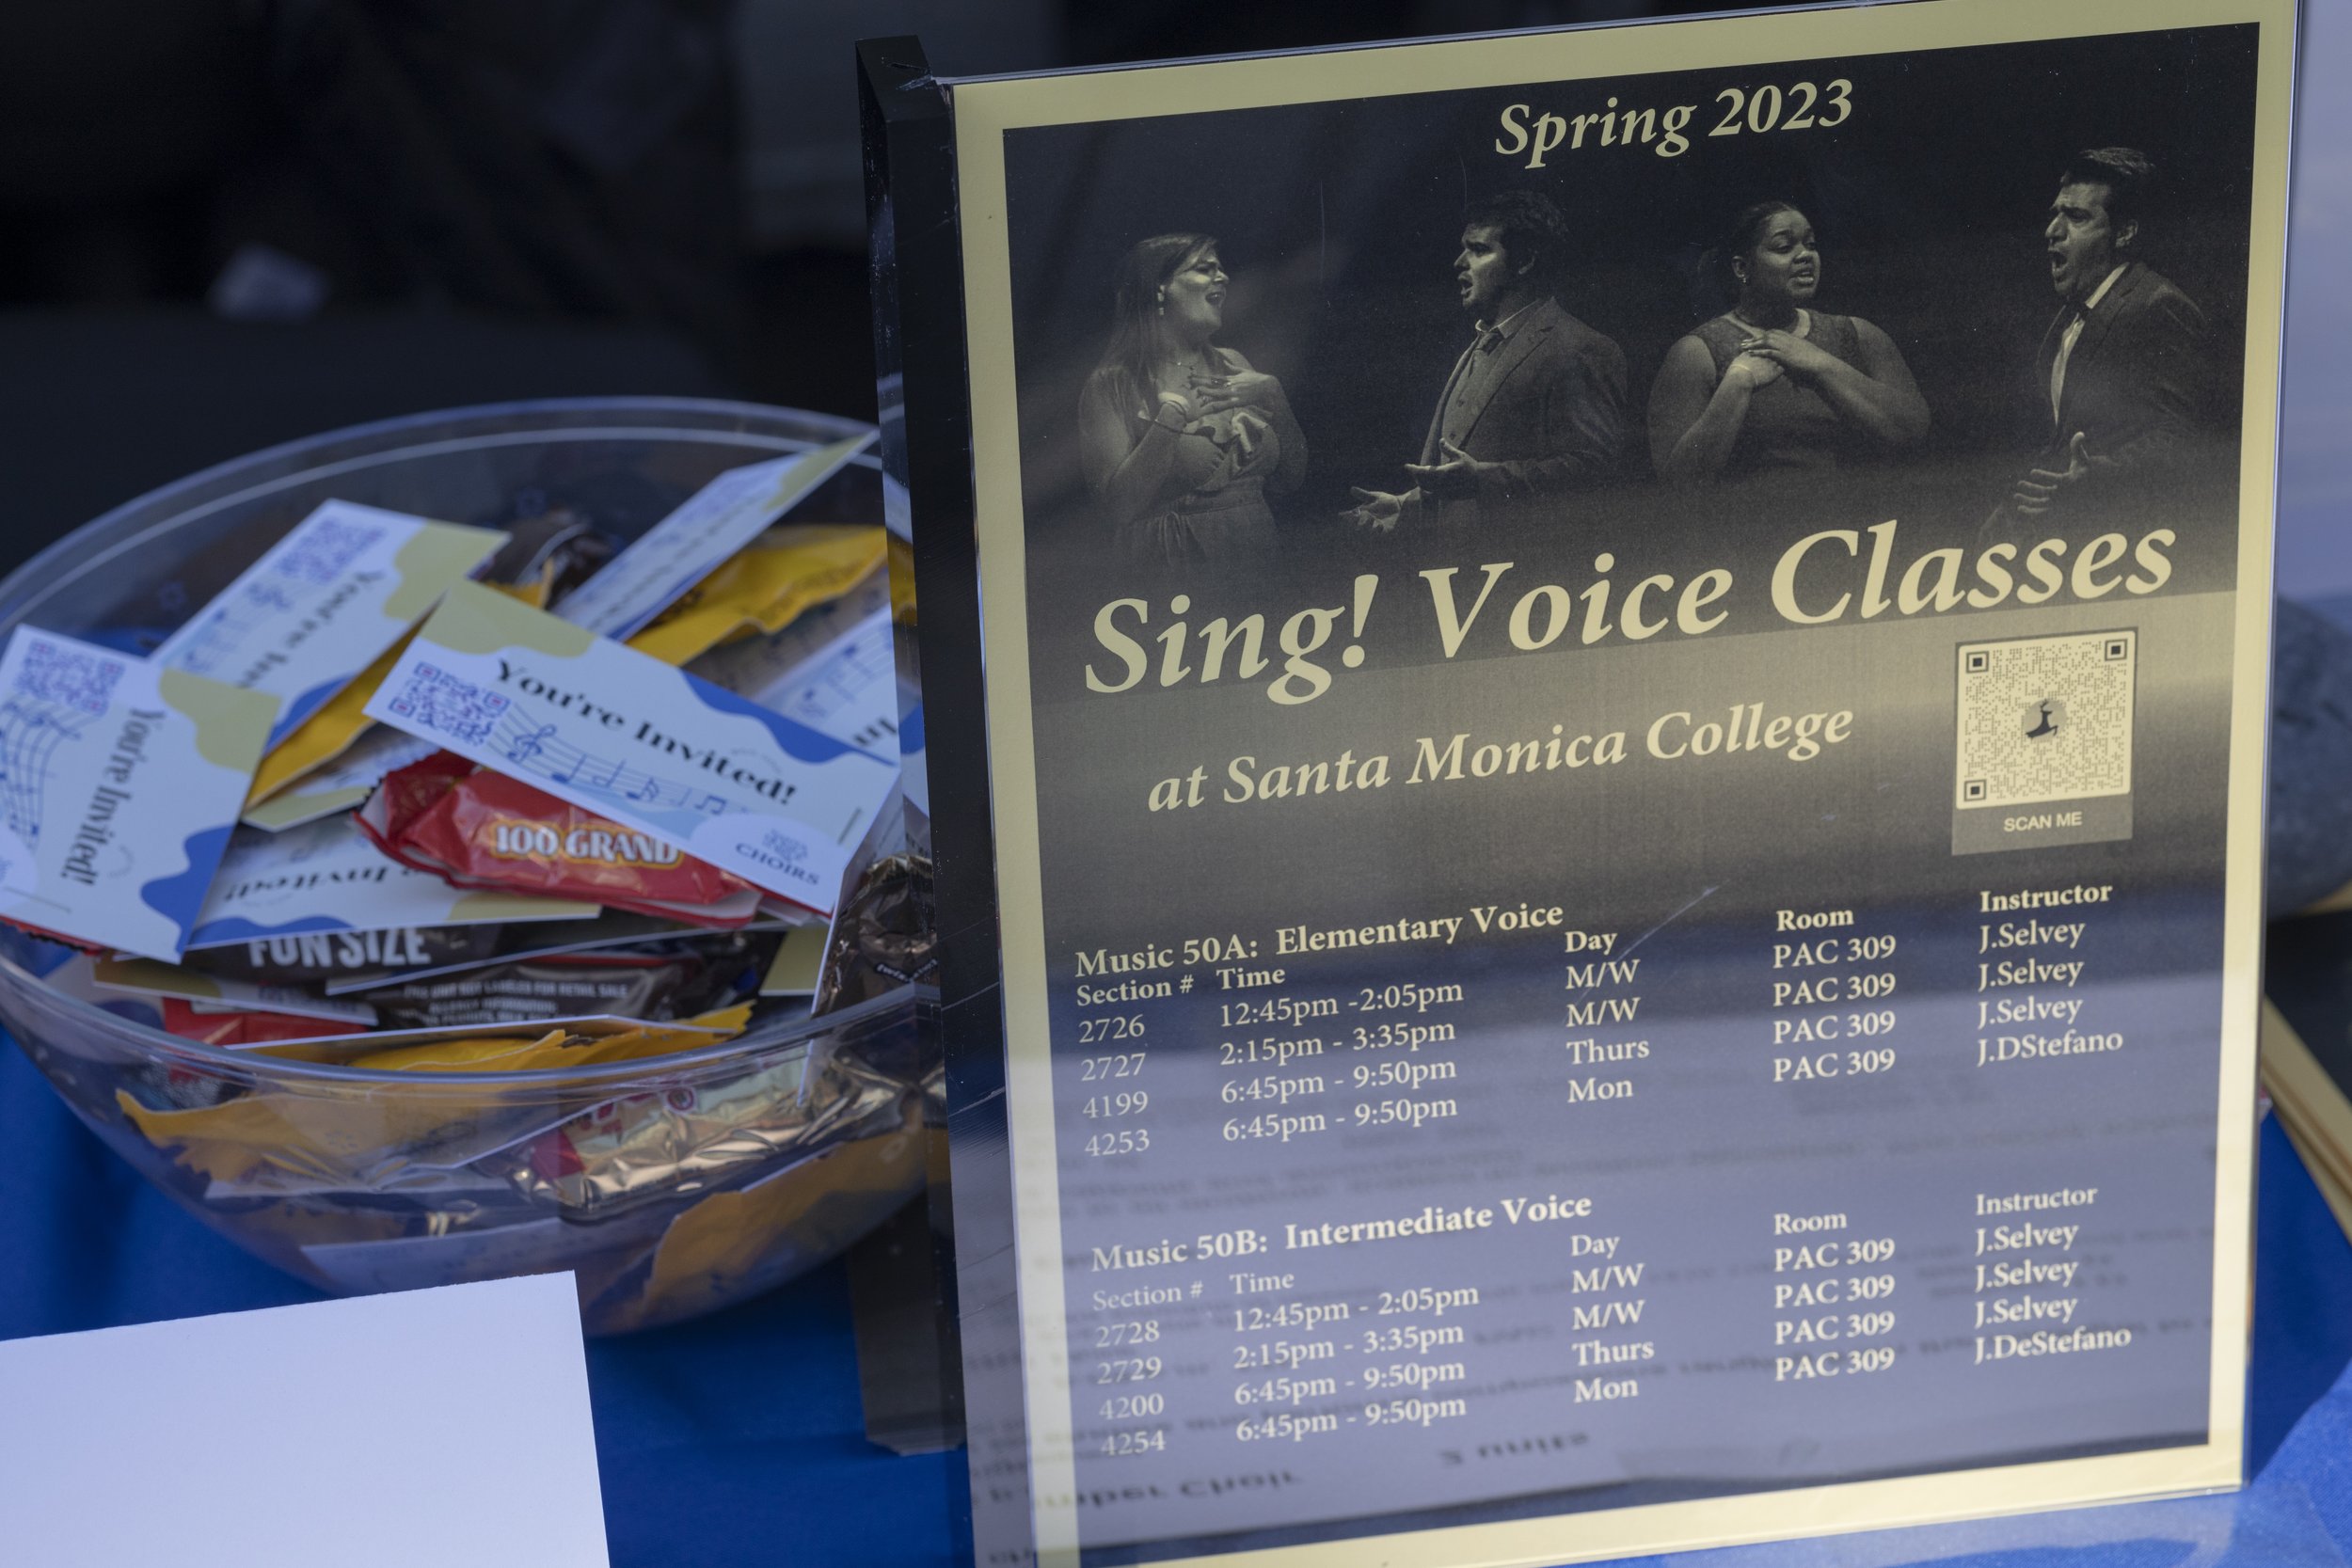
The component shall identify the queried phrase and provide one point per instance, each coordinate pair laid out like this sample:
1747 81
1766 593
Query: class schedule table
1498 1200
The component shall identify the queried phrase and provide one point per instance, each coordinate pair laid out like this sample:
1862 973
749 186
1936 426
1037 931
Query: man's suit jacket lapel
2046 360
2096 325
1541 319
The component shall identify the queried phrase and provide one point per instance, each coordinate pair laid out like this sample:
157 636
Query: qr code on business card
323 549
67 677
2045 719
441 701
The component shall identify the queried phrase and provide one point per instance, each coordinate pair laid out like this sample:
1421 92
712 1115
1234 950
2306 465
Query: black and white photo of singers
1189 450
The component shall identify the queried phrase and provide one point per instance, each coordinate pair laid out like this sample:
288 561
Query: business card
631 592
119 782
323 603
844 686
325 877
697 539
615 731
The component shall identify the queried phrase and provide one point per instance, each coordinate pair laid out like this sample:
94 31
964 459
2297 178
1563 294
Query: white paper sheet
366 1434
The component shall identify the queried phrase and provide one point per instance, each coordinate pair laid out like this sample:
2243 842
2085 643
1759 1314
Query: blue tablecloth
739 1438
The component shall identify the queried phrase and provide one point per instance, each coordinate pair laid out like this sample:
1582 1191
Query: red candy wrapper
247 1028
477 829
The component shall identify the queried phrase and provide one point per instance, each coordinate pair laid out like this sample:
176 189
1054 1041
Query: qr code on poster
323 547
447 705
2045 719
67 677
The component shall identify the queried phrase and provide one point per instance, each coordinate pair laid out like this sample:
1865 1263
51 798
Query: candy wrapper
607 931
649 986
324 955
664 1200
477 829
240 1028
731 1244
698 536
766 587
215 993
752 665
346 1139
559 1049
550 553
885 936
689 1140
538 1018
517 993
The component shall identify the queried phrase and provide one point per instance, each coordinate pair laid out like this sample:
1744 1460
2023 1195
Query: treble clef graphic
524 747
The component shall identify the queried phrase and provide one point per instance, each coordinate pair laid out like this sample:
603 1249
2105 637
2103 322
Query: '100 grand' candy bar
478 829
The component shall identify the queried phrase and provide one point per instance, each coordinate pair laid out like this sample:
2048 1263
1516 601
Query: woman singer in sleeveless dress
1773 384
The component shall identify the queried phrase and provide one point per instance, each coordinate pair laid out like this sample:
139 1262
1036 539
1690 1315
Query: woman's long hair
1137 337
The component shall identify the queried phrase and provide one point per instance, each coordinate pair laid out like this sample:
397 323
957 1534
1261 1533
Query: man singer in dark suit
1536 407
2126 365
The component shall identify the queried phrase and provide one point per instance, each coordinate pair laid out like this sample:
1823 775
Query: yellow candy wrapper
774 1228
339 1138
527 1053
337 1133
765 588
903 582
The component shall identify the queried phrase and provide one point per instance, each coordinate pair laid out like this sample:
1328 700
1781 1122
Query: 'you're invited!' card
629 737
120 782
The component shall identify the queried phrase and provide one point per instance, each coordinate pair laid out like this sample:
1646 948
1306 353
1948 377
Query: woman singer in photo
1773 384
1180 439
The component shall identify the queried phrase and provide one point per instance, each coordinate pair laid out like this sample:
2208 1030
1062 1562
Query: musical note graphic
531 749
840 682
526 747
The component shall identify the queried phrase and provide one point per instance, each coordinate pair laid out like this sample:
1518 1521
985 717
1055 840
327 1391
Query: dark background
405 159
1338 224
229 222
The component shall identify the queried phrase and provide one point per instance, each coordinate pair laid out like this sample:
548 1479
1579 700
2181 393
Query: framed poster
1595 711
